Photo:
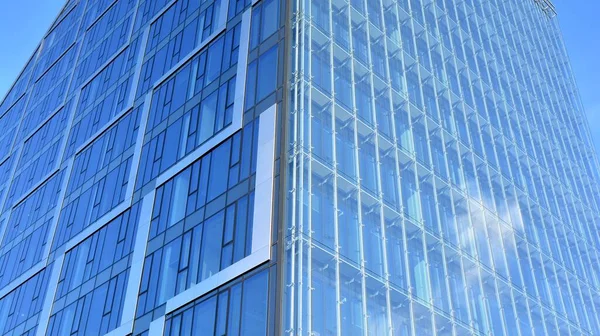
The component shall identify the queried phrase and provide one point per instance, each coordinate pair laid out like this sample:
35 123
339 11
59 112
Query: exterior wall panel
316 167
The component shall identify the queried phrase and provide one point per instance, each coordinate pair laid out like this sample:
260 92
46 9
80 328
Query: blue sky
24 22
581 30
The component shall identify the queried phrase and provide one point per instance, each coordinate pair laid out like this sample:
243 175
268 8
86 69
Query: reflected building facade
315 167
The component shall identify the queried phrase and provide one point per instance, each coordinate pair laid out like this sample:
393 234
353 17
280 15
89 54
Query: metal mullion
335 179
357 167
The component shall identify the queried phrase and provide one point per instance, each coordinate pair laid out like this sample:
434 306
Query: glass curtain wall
441 178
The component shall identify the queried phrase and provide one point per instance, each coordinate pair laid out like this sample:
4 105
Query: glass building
305 167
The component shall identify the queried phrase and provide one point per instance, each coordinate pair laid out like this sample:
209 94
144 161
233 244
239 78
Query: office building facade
316 167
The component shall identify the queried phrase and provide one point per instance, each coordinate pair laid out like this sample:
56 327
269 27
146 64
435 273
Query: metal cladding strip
189 56
53 281
130 100
33 58
137 261
100 15
262 210
224 7
97 225
60 154
160 12
133 18
62 105
17 154
4 222
123 330
238 109
139 144
261 235
126 204
242 66
257 256
22 278
53 171
41 123
265 171
218 30
157 327
33 188
44 317
134 280
230 273
67 132
262 218
50 65
58 261
101 67
141 238
112 122
138 67
42 263
59 204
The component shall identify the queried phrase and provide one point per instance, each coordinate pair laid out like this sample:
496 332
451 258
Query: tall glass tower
302 167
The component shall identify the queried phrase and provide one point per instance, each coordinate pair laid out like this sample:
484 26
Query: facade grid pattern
137 170
441 179
306 167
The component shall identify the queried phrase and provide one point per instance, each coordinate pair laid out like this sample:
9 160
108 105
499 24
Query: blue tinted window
254 305
267 64
236 309
23 303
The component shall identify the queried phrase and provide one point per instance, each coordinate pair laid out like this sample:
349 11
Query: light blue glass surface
441 179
